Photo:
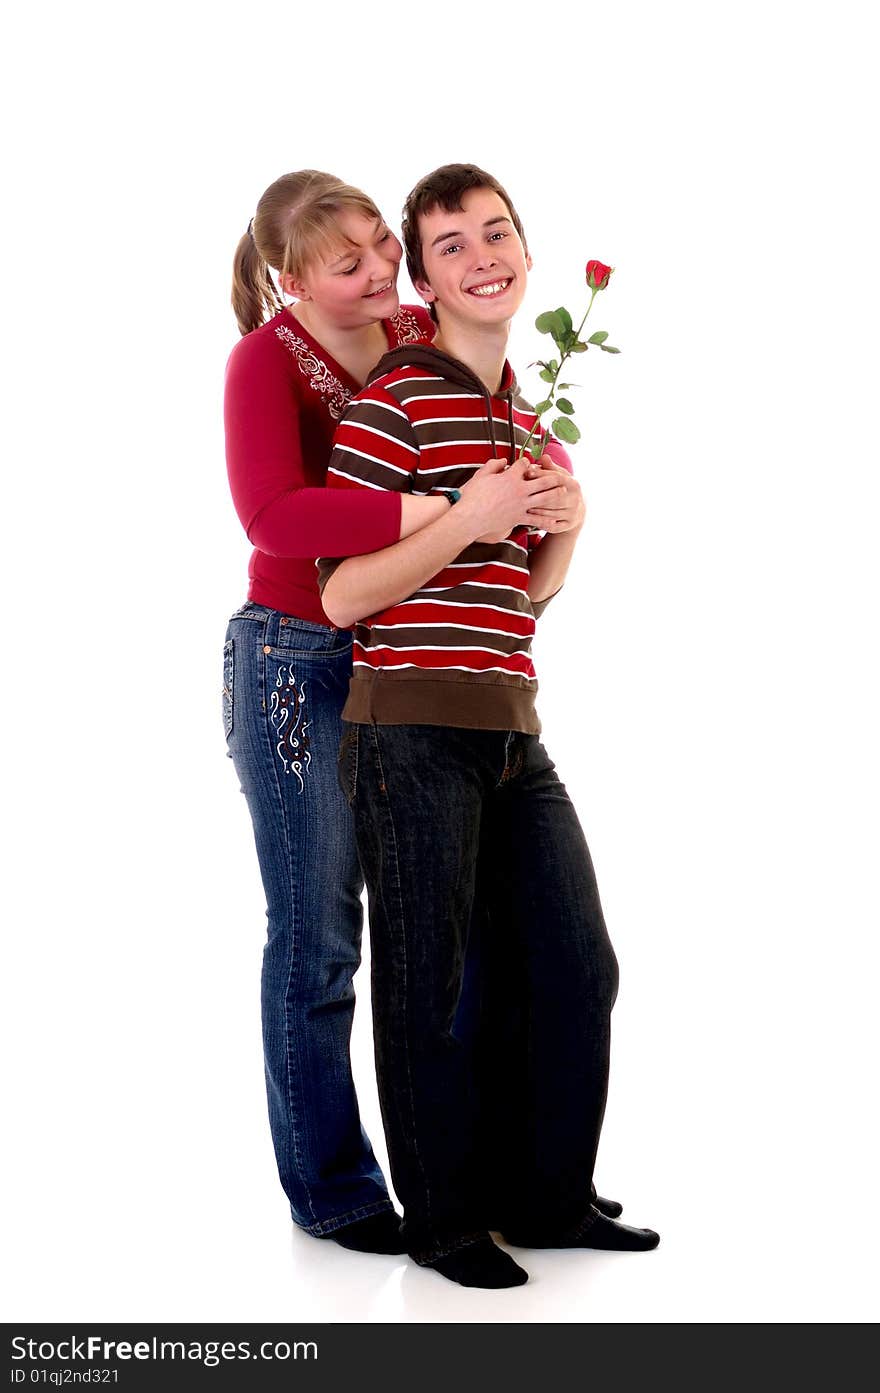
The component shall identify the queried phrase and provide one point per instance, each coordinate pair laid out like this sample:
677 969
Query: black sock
613 1208
480 1264
600 1232
380 1233
613 1237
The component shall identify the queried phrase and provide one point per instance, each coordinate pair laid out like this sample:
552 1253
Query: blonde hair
296 219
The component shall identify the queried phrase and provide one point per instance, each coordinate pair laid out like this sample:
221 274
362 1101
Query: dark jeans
441 816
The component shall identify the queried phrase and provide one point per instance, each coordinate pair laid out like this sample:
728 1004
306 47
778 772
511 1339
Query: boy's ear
425 291
529 261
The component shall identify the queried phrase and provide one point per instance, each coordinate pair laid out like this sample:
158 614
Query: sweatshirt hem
465 705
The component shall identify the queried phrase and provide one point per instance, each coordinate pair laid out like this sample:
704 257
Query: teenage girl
286 668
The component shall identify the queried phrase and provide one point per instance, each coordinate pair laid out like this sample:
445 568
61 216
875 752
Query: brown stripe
513 600
507 552
419 387
367 413
452 636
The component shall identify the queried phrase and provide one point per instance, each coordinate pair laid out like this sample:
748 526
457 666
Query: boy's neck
483 349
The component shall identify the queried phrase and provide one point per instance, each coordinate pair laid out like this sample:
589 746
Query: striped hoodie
458 651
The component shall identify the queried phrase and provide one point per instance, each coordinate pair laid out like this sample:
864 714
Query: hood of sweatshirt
440 364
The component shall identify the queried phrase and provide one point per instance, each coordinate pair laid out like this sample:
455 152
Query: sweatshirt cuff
538 606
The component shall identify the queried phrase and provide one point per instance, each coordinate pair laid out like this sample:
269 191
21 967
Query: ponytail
253 293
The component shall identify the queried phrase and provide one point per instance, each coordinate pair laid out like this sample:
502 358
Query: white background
708 675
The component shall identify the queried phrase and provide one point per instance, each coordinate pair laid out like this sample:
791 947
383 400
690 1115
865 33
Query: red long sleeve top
283 400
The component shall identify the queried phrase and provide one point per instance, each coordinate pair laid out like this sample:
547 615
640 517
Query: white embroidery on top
407 327
316 372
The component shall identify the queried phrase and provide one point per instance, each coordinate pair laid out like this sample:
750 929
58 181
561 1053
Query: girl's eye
351 270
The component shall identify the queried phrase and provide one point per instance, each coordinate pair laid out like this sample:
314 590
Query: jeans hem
425 1257
328 1226
564 1238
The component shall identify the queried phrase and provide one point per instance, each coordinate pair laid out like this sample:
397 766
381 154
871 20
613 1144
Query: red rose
598 274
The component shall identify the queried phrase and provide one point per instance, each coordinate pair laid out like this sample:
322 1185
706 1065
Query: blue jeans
285 683
446 819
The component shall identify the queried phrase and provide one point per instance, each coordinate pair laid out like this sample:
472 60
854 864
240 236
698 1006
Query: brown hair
296 219
445 188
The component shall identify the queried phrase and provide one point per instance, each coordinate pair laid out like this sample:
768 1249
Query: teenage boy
442 765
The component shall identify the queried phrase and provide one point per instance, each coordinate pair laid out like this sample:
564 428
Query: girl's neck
357 349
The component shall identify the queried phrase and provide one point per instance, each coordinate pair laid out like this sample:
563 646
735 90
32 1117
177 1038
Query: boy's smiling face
475 263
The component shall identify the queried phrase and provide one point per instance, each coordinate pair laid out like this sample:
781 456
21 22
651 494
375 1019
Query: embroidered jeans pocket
228 686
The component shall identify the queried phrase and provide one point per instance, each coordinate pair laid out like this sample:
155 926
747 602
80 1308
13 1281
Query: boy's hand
546 512
498 497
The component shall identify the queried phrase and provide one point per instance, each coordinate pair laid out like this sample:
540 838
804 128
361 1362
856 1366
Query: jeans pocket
228 686
347 764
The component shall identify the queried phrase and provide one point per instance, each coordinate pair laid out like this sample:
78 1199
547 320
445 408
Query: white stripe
443 648
374 459
365 483
458 420
451 667
457 604
454 444
470 628
401 380
359 425
386 406
431 589
452 468
443 396
467 565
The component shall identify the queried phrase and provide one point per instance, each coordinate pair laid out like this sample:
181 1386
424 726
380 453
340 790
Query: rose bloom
598 274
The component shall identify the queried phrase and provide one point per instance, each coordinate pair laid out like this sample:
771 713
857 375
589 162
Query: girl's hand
497 497
547 512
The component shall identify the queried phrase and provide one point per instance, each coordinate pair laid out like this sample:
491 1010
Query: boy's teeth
492 289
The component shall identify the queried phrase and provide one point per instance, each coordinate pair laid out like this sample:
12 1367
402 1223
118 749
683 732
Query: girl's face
354 285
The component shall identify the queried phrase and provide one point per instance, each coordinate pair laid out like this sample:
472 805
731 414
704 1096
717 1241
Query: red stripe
383 656
446 407
522 625
479 572
334 482
457 456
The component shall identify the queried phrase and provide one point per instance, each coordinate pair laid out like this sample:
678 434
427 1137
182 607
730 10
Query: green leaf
566 318
550 323
599 337
566 430
543 406
565 386
606 348
545 375
579 347
565 405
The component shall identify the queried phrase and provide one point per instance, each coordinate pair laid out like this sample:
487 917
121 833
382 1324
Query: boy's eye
493 235
453 247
